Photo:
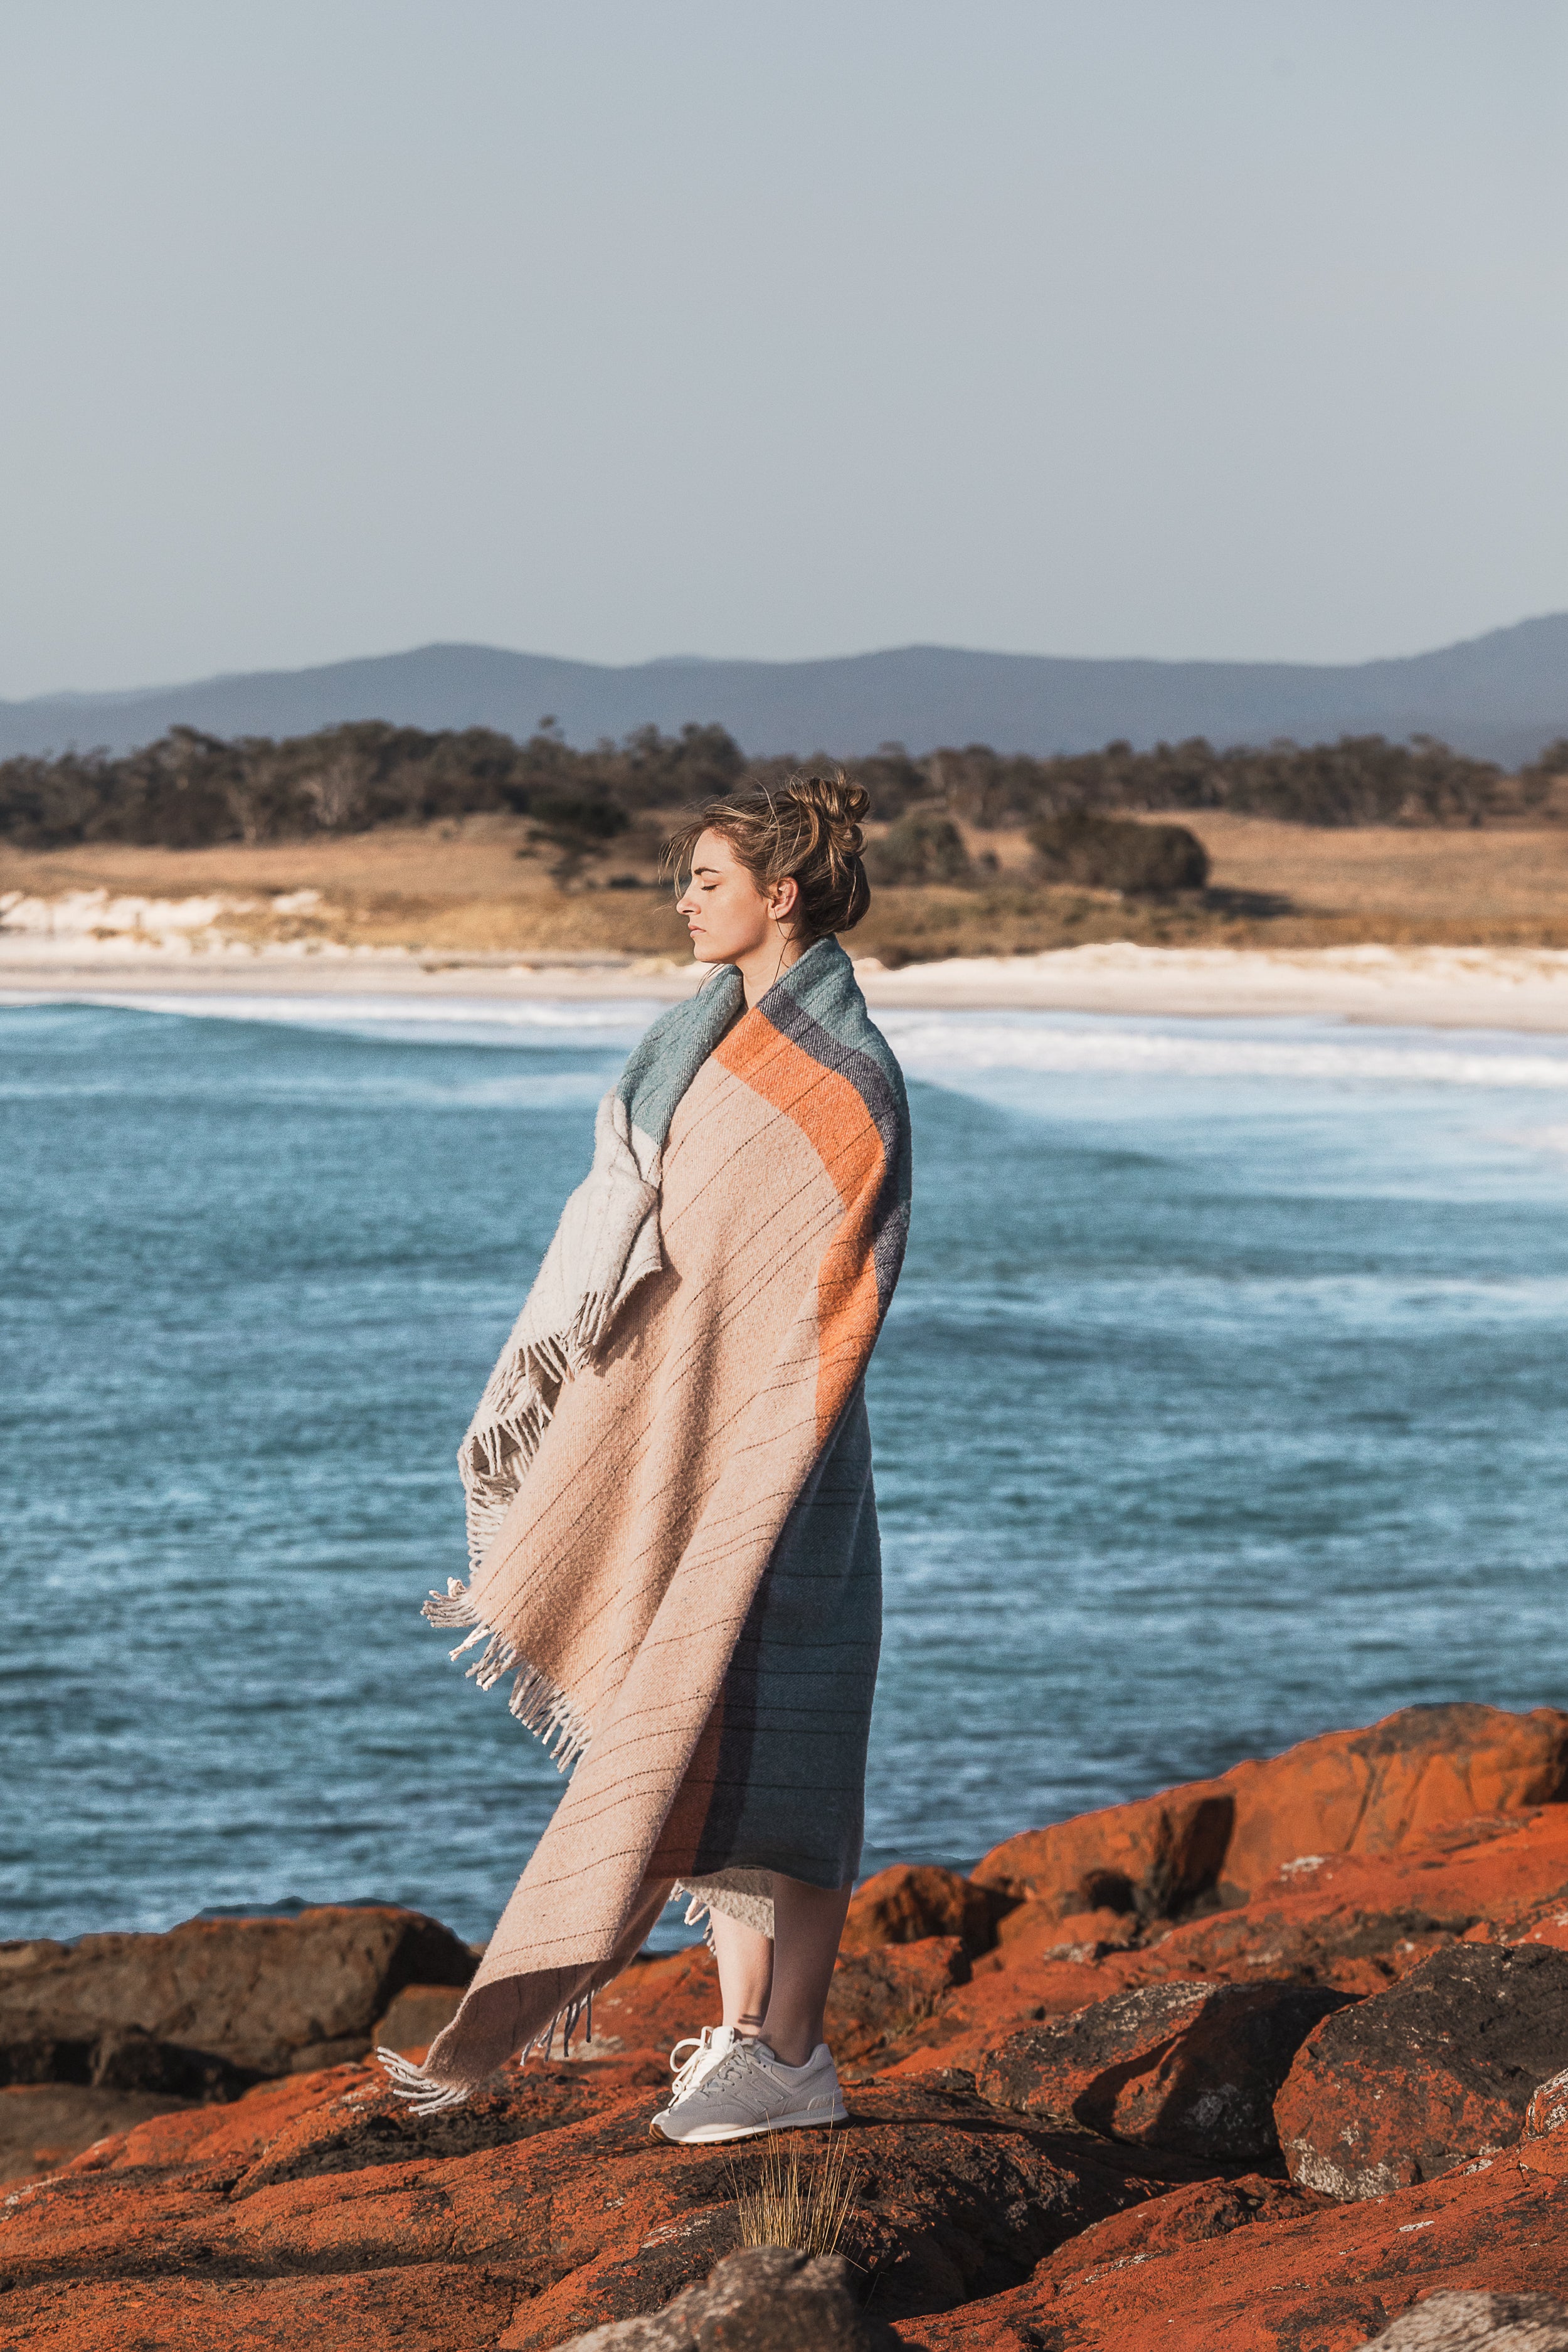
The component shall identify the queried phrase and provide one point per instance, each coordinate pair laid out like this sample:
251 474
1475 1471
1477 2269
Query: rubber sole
710 2135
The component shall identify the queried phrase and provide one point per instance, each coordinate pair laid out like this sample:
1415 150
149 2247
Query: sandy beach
147 949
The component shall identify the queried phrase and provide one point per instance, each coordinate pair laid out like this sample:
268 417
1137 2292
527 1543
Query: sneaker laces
687 2071
736 2073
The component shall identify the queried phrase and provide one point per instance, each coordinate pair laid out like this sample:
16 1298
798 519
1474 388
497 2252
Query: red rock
655 2003
1405 2086
1389 1788
451 2307
1381 1790
877 1996
1153 1855
1322 2279
553 2193
1190 2067
1361 1921
912 1901
268 1995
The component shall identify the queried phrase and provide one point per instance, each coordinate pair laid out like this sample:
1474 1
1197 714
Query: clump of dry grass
789 2202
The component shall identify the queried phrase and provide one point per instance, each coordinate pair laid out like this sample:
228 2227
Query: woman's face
727 915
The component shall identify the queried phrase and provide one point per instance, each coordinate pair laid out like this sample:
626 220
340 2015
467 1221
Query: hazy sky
614 328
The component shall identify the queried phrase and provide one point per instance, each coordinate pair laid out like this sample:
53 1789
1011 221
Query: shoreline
1415 987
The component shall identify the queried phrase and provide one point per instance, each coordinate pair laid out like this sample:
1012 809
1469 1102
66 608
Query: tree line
191 791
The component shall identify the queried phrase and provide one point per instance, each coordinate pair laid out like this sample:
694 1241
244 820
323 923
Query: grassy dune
463 889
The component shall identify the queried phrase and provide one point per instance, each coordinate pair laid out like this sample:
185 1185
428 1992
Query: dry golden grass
791 2202
463 890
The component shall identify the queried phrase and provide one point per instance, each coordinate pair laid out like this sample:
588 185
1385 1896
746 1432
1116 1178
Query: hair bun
839 804
807 830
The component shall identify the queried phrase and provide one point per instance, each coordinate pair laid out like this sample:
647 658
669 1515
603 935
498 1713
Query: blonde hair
807 831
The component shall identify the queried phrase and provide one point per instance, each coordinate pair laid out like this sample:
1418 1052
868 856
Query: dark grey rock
266 1996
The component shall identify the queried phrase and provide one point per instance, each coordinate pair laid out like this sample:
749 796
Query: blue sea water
1225 1399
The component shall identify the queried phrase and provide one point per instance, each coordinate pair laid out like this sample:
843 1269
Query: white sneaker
708 2049
749 2091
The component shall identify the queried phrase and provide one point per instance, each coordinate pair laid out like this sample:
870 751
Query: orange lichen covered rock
877 1996
1392 1787
318 2206
1153 1855
1190 2067
1381 1790
1297 2276
911 1901
1360 1921
655 2003
549 2195
1441 2066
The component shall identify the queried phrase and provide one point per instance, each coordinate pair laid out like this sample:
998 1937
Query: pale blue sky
614 328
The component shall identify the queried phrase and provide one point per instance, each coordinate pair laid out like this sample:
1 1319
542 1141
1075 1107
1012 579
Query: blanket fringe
420 2090
540 1704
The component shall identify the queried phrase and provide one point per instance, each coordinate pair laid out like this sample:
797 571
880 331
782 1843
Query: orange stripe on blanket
831 1113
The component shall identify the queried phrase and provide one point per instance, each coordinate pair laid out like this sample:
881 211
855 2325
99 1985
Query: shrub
1109 852
924 847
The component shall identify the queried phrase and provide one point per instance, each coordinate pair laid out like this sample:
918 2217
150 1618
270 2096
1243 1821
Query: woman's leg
745 1958
807 1924
775 1990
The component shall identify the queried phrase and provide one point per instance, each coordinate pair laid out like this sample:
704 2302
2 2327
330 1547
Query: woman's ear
783 899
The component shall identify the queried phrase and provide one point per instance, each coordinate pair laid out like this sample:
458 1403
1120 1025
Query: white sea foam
944 1048
438 1017
928 1046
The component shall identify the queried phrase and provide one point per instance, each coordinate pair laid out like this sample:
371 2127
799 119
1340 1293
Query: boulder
911 1901
266 1996
1293 2273
123 2059
878 1995
1479 2323
1153 1856
1437 2069
1192 2068
417 2016
1384 1790
765 2299
1389 1788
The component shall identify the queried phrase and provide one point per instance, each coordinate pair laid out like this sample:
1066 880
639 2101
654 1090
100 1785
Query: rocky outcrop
1441 2067
1194 2068
912 1901
1062 2084
768 2299
264 1996
551 2192
1375 1792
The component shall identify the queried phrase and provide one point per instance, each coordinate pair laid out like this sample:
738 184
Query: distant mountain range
1500 696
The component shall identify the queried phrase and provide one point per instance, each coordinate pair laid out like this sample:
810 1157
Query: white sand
87 943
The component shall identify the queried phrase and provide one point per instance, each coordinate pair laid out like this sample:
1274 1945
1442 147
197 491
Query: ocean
1224 1400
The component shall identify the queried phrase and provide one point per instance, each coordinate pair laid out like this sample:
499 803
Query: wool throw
672 1528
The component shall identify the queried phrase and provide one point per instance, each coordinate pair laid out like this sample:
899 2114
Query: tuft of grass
789 2202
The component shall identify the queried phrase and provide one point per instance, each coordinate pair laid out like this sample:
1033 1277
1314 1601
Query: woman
672 1528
